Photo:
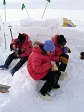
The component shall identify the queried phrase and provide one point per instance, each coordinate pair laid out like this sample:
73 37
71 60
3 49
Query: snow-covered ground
23 97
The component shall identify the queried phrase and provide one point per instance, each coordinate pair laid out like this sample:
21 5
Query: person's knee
66 56
10 56
56 75
24 59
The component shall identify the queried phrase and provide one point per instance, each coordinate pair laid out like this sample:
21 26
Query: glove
52 63
66 50
64 60
55 68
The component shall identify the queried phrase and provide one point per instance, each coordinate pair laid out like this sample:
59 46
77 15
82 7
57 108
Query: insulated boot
56 86
4 67
12 71
46 96
63 75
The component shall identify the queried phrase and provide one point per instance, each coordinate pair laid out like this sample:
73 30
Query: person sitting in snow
82 55
22 48
41 68
60 56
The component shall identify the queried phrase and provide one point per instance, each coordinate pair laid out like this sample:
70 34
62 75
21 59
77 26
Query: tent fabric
68 23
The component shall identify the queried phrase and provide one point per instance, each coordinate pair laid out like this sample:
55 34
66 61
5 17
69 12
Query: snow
23 94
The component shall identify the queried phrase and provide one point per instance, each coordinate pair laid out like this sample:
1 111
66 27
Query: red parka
25 48
38 63
58 50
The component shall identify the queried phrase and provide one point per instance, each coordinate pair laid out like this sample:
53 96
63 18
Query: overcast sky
57 4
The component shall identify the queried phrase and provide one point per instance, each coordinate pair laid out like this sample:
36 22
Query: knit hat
61 40
49 46
21 37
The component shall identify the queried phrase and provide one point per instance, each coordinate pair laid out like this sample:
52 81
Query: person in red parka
40 67
60 55
22 48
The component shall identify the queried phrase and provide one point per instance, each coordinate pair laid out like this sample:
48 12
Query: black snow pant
61 65
19 64
51 79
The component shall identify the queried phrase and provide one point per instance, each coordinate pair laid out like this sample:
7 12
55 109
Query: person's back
37 57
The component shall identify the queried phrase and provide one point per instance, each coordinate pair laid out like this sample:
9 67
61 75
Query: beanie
49 46
21 37
61 40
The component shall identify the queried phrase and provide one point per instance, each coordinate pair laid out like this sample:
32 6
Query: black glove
69 51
